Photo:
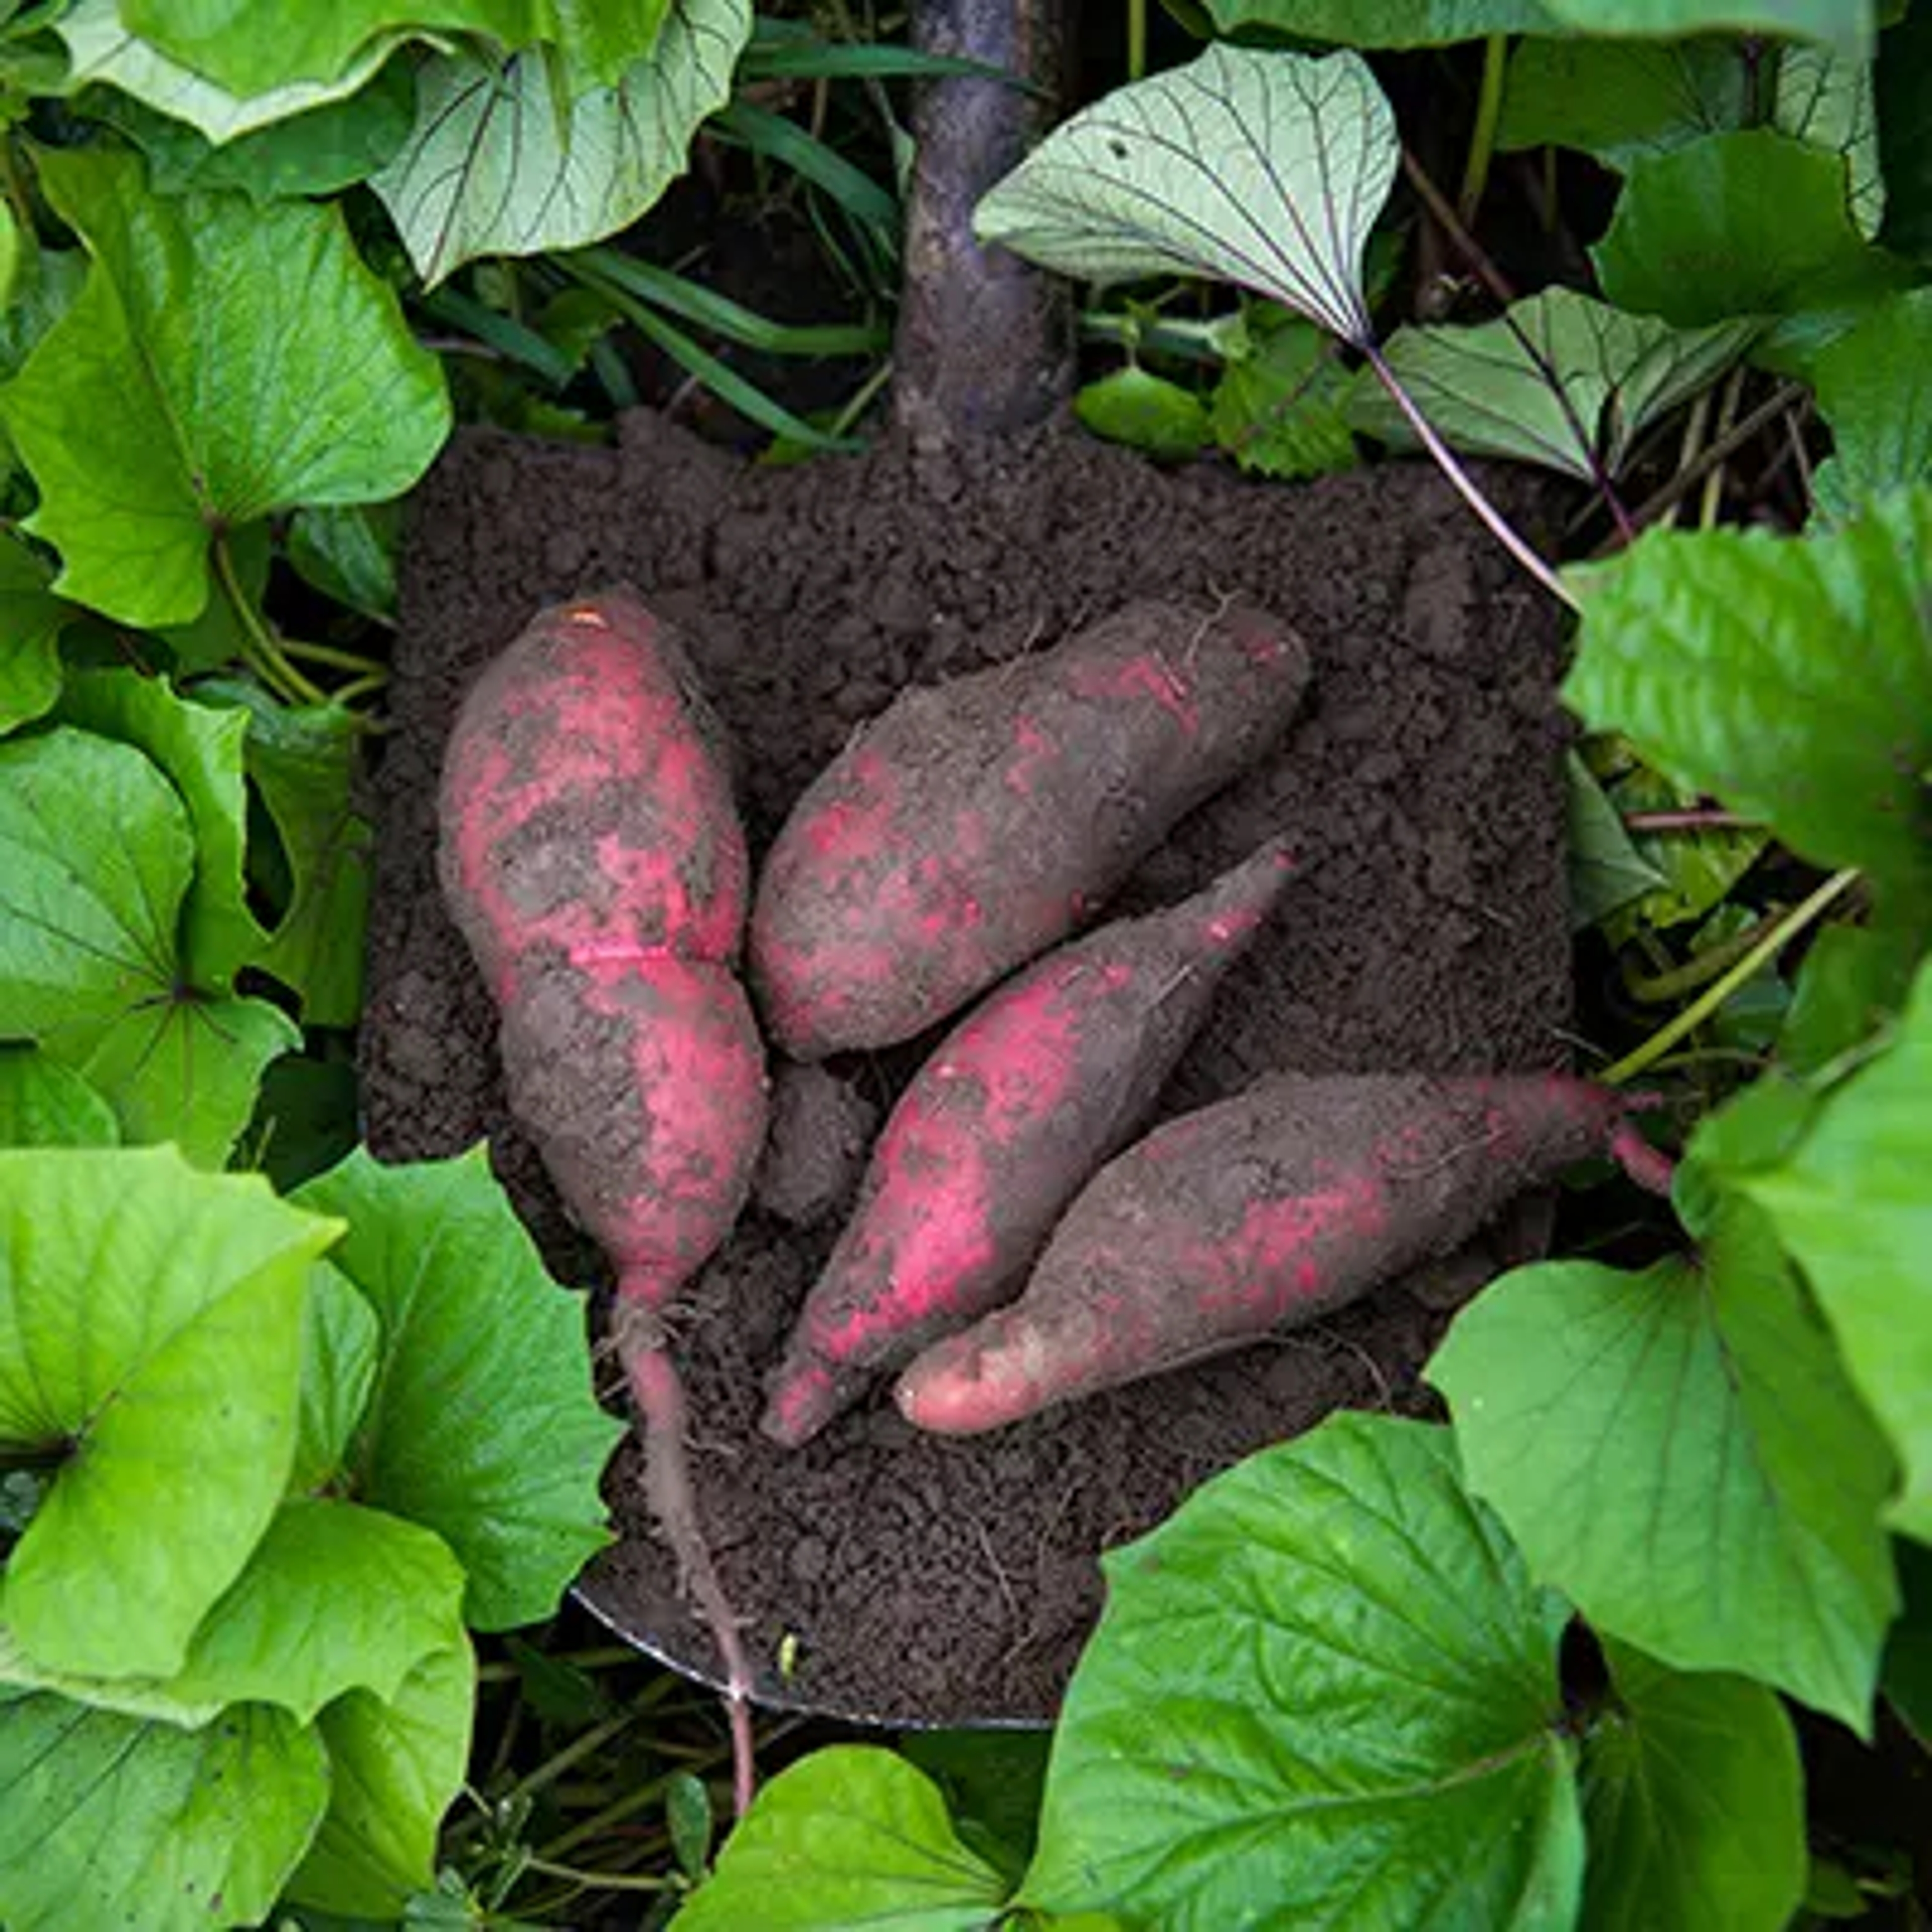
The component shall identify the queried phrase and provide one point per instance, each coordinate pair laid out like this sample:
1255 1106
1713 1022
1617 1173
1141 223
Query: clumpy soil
914 1580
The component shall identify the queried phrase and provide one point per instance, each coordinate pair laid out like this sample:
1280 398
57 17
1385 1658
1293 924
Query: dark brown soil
917 1579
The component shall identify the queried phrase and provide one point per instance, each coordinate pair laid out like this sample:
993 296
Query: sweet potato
591 856
974 824
1000 1128
586 801
642 1083
1298 1195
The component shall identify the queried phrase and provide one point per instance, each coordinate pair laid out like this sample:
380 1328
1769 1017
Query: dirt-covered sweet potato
1296 1195
586 800
591 855
974 824
1003 1125
643 1084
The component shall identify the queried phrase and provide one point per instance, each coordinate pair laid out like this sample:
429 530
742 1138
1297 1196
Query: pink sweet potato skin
591 855
586 802
1298 1195
974 824
643 1083
1002 1126
592 858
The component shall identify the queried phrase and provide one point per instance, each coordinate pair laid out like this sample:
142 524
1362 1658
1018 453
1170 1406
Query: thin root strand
659 1394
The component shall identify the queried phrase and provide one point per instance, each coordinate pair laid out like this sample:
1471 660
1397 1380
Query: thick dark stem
659 1394
986 342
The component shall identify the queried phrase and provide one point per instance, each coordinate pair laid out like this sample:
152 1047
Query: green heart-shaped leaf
97 856
110 1820
199 751
32 619
1754 222
1826 98
335 1597
340 1341
1383 23
102 49
1617 100
1874 387
1849 25
1680 1452
1792 680
1852 1202
273 43
1694 1803
1562 381
503 161
1327 1682
44 1104
151 418
325 148
482 1355
395 1766
852 1835
304 763
151 1326
1264 170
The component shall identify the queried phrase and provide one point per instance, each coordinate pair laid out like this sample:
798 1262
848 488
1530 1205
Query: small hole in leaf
1118 149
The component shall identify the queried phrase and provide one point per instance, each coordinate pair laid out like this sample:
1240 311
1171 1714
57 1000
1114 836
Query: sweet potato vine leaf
301 761
112 1820
199 751
395 1765
1384 23
601 40
335 1597
152 419
502 160
32 619
1790 678
1908 1657
151 1325
320 151
1620 100
98 857
340 1341
1695 871
1826 99
1327 1681
1264 170
1563 381
279 44
1854 979
350 554
1616 99
1681 1453
1754 222
1845 23
1850 1200
1693 1801
1874 387
850 1835
1279 409
102 50
271 44
1145 412
44 1104
481 1355
1607 871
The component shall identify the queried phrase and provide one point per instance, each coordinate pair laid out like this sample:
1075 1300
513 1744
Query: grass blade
722 316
